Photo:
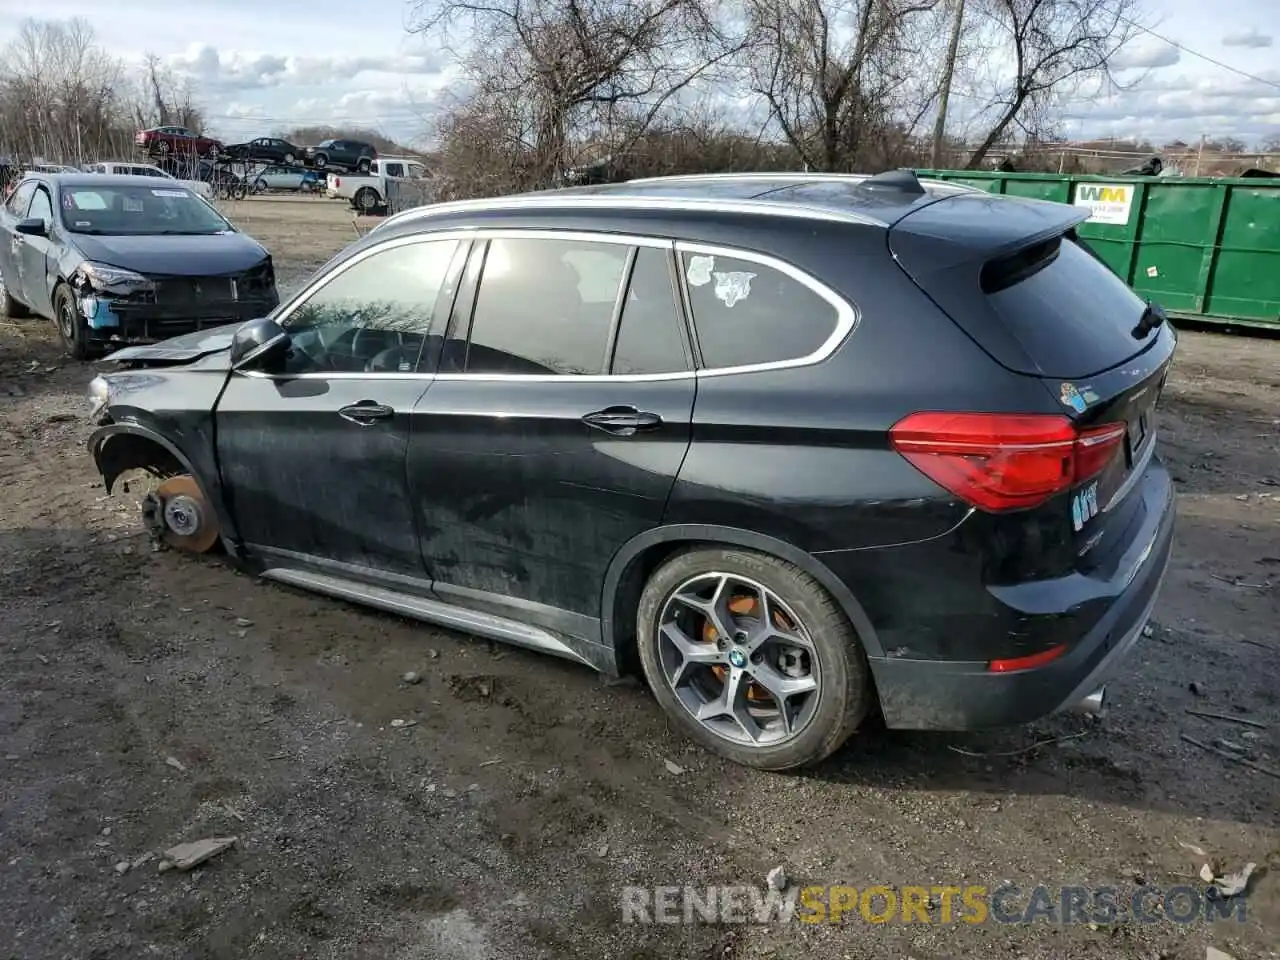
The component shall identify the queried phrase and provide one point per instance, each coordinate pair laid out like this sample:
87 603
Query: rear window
1066 308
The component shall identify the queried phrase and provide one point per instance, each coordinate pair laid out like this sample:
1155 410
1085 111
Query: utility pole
944 93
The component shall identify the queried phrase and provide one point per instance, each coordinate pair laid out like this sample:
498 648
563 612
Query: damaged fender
120 447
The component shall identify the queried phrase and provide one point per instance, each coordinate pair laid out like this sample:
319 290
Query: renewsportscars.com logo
935 904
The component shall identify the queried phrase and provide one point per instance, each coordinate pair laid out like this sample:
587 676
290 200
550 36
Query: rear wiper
1152 317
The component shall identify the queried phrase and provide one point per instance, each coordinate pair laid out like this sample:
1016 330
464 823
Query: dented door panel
301 476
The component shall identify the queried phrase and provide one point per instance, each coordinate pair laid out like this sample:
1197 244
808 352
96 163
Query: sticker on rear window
733 286
133 206
1071 397
699 272
168 193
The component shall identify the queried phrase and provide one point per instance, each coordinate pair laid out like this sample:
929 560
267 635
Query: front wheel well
122 452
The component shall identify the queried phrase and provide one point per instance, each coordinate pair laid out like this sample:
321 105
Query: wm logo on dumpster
1106 202
1098 194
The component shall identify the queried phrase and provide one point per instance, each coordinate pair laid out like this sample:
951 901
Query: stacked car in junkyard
126 259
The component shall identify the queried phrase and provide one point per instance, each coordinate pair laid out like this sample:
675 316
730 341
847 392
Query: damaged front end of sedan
122 307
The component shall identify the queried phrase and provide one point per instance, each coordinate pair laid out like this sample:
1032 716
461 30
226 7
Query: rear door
11 241
557 424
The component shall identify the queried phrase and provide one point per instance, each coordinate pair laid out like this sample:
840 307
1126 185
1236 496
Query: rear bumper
963 695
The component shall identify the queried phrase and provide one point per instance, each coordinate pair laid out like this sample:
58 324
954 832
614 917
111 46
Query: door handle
622 421
366 412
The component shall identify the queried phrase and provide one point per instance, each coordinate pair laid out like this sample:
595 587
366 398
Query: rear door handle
366 412
622 421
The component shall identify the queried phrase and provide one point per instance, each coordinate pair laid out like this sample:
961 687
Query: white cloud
239 70
1250 38
1146 53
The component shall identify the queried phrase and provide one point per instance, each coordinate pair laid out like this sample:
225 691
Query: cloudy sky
261 66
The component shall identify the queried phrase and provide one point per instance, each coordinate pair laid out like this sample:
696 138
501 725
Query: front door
556 426
11 242
312 456
36 288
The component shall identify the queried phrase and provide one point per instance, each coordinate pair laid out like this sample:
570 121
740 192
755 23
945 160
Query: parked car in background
115 260
344 154
368 192
163 140
35 168
118 168
801 446
269 149
287 178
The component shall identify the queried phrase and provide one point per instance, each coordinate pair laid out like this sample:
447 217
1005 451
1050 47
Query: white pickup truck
368 193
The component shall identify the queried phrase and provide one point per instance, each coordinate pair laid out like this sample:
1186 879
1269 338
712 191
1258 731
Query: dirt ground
150 698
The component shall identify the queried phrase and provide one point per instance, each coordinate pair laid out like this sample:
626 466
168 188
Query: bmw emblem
737 658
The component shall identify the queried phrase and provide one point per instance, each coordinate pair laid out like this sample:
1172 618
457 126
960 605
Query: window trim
53 207
848 317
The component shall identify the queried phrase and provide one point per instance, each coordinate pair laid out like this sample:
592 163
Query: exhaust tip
1095 704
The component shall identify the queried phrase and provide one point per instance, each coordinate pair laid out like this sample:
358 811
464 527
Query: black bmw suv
797 447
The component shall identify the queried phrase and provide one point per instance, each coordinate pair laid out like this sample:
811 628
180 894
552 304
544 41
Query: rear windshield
1065 304
138 211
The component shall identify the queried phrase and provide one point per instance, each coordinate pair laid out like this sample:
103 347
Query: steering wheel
316 359
382 341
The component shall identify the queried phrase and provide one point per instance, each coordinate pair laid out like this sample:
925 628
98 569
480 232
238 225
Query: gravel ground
148 699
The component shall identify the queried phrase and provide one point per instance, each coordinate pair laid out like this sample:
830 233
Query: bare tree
557 72
1052 48
838 75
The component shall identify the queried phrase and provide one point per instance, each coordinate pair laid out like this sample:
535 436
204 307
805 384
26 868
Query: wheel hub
178 514
737 659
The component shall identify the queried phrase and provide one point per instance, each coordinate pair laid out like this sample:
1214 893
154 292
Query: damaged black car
125 260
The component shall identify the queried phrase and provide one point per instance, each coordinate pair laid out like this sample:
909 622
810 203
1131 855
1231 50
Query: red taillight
337 182
1000 461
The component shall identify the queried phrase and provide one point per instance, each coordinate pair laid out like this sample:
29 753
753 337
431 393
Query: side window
545 306
650 339
374 316
21 199
745 312
394 170
41 207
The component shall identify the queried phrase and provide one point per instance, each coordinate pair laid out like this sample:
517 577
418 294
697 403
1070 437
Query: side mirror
258 343
32 227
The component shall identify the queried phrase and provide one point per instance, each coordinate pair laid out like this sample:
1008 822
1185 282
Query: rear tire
320 161
363 164
366 200
826 656
73 330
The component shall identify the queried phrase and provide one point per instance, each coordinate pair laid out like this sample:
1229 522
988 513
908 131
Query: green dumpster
1204 248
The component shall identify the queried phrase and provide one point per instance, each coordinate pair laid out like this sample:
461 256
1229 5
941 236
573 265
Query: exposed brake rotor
177 513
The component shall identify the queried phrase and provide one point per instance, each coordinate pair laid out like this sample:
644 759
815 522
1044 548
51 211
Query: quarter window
649 333
745 312
375 315
41 208
545 306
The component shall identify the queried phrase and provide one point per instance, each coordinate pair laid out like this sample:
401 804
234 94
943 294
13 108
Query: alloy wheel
738 659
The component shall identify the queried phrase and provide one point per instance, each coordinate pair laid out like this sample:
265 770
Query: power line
1196 53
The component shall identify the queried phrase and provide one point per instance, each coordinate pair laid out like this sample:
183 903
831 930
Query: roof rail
622 201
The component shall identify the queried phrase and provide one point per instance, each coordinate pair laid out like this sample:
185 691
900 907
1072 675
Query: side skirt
488 625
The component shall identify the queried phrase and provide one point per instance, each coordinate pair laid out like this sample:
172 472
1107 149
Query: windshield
326 143
138 211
